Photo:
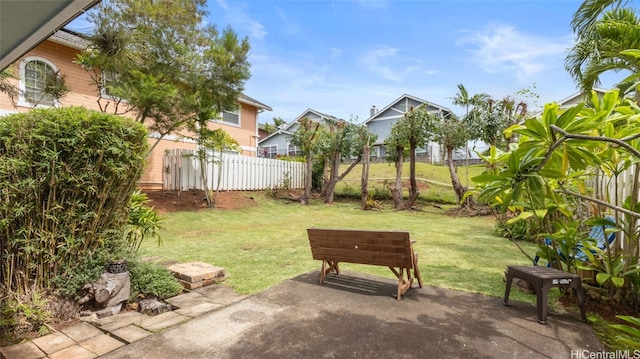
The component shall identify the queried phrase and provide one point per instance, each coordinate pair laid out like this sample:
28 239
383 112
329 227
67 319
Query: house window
108 78
34 73
293 150
270 151
231 116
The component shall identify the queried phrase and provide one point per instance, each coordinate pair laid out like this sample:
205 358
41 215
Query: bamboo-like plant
67 175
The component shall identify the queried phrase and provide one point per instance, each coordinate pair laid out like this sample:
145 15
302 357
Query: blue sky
341 57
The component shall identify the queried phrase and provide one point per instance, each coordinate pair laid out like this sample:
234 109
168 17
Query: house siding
382 122
282 139
83 93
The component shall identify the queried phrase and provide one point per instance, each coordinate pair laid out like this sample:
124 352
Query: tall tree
275 124
470 120
366 138
158 60
395 147
212 144
306 138
418 127
604 30
451 134
343 142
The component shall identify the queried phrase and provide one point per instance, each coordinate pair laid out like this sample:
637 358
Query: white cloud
335 53
386 63
503 49
238 18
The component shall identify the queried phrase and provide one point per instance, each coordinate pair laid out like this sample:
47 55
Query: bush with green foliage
68 175
22 314
517 231
629 334
144 222
152 280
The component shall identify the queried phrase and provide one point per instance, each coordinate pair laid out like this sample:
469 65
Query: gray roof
70 38
251 101
441 108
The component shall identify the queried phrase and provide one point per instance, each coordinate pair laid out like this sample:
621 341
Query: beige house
58 53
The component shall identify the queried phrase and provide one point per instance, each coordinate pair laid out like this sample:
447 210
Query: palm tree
462 99
589 12
604 30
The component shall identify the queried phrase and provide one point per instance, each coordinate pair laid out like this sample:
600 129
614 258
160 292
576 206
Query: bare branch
616 141
602 203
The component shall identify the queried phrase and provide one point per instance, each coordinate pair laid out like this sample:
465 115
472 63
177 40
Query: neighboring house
278 143
578 97
58 53
262 131
380 123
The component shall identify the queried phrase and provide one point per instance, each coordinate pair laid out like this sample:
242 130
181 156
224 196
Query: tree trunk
413 188
364 181
306 196
396 191
202 159
219 179
333 177
455 181
326 177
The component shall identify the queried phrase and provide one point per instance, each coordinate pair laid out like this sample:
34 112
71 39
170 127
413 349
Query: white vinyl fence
182 171
612 189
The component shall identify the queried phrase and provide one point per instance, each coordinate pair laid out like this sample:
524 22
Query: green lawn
436 178
266 244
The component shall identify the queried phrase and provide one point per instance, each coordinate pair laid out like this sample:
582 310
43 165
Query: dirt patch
195 200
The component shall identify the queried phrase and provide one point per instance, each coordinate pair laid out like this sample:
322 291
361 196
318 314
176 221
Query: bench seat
392 249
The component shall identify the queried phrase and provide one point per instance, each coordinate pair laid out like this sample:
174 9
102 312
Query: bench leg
507 288
543 304
403 284
328 267
322 272
580 294
416 270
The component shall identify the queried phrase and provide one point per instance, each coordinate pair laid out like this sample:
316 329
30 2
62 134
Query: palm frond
589 12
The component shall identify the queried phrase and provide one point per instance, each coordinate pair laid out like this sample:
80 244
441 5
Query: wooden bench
391 249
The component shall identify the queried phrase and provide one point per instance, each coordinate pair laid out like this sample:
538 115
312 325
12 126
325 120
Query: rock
153 307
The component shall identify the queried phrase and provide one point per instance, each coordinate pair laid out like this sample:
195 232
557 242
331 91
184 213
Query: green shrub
22 314
67 175
87 270
518 231
152 280
144 222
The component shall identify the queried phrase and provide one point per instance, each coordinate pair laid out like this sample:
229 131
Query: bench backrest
383 248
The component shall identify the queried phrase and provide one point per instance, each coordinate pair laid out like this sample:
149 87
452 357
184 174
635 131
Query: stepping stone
53 342
26 350
101 344
122 320
219 294
73 352
185 300
81 332
163 321
199 309
130 333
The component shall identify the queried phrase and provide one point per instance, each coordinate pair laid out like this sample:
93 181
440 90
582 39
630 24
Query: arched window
34 73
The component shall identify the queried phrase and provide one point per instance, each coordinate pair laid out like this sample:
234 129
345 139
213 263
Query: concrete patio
350 316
